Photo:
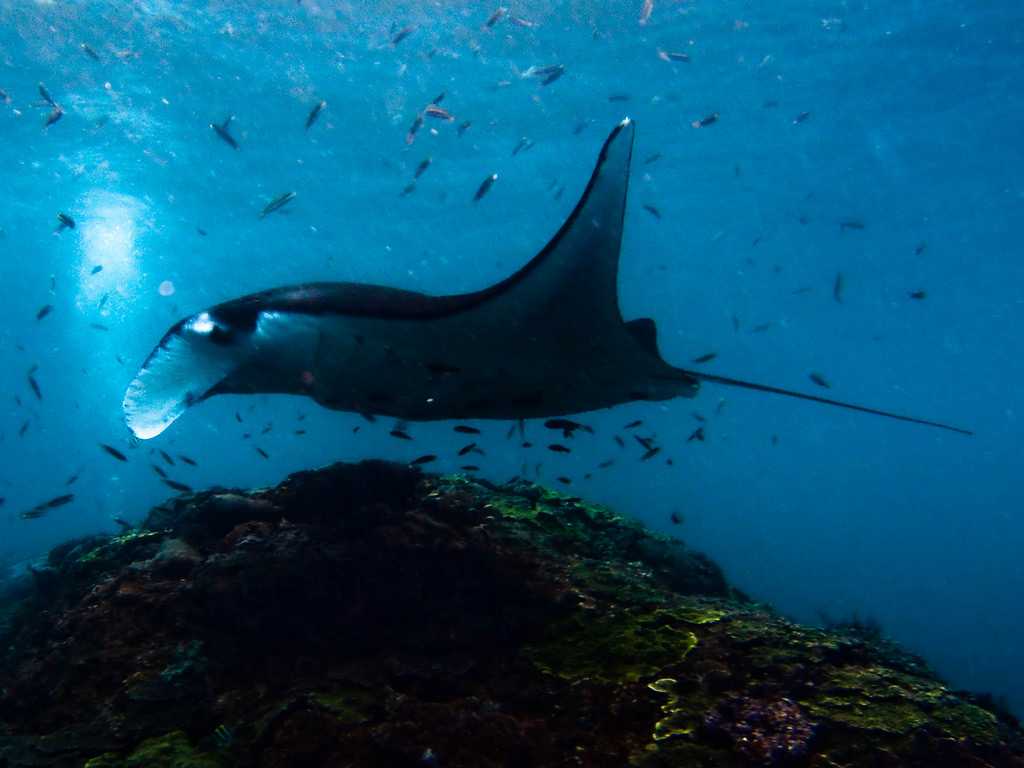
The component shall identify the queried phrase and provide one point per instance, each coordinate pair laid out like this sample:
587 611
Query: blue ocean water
913 131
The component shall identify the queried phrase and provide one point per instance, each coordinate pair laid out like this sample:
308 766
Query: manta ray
549 340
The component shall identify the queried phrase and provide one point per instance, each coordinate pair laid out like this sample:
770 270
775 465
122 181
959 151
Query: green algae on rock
172 750
370 615
624 646
877 698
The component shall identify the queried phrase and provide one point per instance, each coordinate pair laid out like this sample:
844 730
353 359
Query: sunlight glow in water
109 230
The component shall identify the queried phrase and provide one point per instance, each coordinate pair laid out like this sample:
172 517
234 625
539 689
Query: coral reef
370 615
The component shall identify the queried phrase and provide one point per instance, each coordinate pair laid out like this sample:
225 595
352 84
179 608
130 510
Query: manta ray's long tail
816 399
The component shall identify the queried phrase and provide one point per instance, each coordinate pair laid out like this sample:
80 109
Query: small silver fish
113 452
438 113
818 379
485 186
495 17
553 75
222 131
46 95
277 203
402 34
704 122
524 143
674 56
314 114
410 136
645 12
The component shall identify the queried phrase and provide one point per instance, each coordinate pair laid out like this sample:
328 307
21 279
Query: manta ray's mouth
189 362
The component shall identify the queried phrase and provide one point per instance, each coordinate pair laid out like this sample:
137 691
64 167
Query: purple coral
770 731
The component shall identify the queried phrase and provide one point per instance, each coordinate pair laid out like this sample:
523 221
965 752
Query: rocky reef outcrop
370 615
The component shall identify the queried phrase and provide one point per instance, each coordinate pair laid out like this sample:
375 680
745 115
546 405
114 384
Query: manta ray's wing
573 280
578 286
563 305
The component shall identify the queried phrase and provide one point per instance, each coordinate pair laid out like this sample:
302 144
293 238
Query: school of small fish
235 134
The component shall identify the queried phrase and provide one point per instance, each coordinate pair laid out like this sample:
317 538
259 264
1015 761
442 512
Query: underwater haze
826 188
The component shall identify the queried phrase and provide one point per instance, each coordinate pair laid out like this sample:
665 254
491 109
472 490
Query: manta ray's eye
218 332
202 323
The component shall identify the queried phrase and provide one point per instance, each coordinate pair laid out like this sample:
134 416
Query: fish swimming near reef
41 509
113 452
547 341
567 427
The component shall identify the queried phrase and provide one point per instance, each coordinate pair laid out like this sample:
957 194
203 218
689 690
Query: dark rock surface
368 615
